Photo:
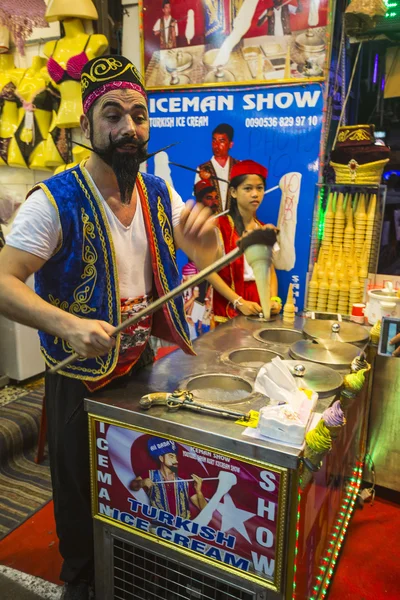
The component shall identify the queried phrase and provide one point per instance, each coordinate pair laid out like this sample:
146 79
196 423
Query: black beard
124 164
174 469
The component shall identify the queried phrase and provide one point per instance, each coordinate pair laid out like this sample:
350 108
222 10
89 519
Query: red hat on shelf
248 167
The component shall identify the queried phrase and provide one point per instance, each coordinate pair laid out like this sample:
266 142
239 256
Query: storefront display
346 237
66 58
9 79
34 116
193 43
20 18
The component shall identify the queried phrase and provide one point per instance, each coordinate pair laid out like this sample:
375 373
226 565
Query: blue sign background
279 127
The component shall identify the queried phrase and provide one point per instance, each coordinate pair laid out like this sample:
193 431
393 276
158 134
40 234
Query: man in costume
101 239
278 17
167 28
218 169
172 497
206 193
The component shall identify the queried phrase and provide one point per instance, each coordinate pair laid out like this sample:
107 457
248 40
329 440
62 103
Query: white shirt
278 19
167 23
37 228
222 173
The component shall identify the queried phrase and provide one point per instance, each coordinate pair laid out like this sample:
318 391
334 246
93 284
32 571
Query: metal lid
323 380
326 352
333 330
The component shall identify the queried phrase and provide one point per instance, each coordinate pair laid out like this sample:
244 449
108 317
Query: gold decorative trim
163 277
282 500
359 135
166 228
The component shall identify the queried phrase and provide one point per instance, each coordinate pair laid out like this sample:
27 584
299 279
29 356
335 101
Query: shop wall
131 45
20 181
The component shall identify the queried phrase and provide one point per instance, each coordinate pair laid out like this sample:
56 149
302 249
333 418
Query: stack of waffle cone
313 290
350 260
360 219
329 221
348 233
333 295
330 264
339 259
355 292
339 223
369 231
343 303
363 273
321 269
323 294
289 310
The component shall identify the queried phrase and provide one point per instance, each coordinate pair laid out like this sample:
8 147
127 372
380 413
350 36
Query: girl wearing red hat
235 290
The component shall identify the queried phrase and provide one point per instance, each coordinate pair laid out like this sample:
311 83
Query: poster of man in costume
203 42
225 508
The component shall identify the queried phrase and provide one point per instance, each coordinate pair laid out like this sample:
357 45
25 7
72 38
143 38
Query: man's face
211 200
167 9
119 133
170 460
221 145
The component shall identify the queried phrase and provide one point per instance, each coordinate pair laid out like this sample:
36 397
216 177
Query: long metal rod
185 480
154 306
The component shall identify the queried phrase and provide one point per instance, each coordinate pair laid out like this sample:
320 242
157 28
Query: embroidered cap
248 167
160 446
106 73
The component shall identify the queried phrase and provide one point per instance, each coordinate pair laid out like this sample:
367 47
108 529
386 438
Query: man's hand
139 483
197 235
198 482
394 341
90 338
248 308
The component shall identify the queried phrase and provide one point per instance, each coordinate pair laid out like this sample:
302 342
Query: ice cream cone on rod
259 258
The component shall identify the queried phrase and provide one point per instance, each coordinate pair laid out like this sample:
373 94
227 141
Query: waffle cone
306 477
335 430
314 457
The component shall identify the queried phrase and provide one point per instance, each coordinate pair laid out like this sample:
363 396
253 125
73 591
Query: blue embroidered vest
158 495
81 277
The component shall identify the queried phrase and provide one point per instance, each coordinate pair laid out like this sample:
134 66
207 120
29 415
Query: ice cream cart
233 522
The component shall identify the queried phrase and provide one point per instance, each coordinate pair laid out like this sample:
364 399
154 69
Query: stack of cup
357 313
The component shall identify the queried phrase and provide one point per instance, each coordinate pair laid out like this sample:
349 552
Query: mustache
113 145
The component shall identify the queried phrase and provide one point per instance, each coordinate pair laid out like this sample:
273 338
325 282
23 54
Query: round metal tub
220 388
257 319
249 358
278 335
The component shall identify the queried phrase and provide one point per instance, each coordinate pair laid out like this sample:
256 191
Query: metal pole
185 480
154 306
